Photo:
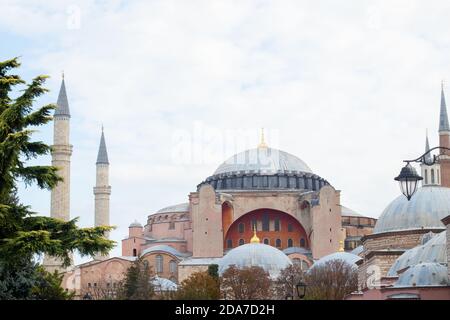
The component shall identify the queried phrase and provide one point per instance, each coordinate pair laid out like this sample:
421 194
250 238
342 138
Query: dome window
290 243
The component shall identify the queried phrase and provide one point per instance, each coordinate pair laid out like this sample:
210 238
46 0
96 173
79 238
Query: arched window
241 242
134 253
432 176
278 243
241 227
277 224
173 266
302 242
159 263
437 176
171 225
229 243
426 176
290 243
266 241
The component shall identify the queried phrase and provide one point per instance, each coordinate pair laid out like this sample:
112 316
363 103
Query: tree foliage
248 283
199 286
136 284
331 281
23 234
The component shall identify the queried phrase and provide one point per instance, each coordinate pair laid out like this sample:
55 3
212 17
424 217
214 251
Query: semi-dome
433 251
424 275
425 210
264 161
348 258
261 255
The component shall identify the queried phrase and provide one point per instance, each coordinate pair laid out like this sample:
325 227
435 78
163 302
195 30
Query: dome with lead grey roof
261 255
182 207
433 251
264 161
425 210
164 248
424 275
348 258
135 224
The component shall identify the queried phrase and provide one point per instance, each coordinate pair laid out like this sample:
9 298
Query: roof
62 105
424 275
425 210
261 255
102 157
358 250
443 117
434 250
348 258
163 284
135 224
299 250
164 248
347 212
263 160
182 207
199 261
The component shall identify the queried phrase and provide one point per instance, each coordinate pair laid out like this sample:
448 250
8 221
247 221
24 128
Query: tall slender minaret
431 174
444 141
61 152
102 189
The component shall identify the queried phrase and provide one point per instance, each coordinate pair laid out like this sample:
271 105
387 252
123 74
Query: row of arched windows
160 264
278 242
265 226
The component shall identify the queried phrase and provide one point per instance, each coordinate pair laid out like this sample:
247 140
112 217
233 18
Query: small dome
263 160
434 251
348 258
424 275
357 251
425 210
135 224
261 255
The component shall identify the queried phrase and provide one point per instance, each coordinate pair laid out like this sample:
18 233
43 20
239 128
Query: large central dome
266 161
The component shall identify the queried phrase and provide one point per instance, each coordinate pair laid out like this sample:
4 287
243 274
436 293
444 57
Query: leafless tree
245 283
285 284
331 281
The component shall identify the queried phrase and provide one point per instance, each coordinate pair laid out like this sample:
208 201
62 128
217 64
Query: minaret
102 189
444 141
61 152
431 174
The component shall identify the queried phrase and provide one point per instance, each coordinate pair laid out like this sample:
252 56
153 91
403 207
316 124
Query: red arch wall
296 234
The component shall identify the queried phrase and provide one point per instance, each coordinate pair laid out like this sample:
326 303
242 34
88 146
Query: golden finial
262 143
255 238
341 246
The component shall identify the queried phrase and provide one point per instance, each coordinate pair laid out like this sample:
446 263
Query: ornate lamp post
409 179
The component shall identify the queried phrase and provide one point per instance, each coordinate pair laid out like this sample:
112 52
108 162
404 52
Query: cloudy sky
350 87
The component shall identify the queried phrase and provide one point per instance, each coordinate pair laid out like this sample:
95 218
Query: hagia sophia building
266 207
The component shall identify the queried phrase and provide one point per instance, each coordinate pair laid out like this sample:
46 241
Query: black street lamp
301 289
408 178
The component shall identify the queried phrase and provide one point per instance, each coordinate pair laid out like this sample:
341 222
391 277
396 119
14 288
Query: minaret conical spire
427 148
62 105
443 117
102 157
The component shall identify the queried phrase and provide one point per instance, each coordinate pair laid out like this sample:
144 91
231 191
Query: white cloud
350 86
